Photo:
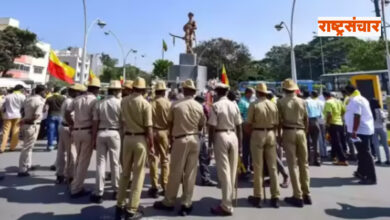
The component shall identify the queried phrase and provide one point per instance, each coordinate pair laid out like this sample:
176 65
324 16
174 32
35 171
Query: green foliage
161 68
14 43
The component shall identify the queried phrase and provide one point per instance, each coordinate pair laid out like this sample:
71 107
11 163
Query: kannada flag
91 75
165 46
121 80
224 77
59 69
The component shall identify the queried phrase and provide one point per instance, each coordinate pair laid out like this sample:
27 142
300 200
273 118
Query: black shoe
255 201
2 178
317 163
294 201
378 162
60 179
153 192
160 206
53 168
184 211
358 175
209 183
307 200
96 199
82 193
218 211
275 203
387 162
118 213
133 216
34 167
23 174
367 182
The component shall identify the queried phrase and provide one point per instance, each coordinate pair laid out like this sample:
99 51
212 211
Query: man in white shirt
360 125
12 109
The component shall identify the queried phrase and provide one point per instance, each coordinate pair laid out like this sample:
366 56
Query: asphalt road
336 195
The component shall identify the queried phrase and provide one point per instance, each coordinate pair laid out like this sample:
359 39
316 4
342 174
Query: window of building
38 69
22 67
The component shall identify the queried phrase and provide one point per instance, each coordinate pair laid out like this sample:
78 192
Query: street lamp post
387 46
86 32
322 54
290 34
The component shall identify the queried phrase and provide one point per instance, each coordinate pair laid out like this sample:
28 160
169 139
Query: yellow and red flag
224 77
59 69
121 80
91 75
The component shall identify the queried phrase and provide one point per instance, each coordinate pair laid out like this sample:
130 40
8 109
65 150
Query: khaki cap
78 87
188 84
289 84
221 86
95 82
139 83
115 84
128 84
262 87
160 85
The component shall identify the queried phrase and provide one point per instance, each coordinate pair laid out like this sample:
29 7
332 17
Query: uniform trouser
183 169
380 138
82 141
161 144
314 144
366 166
294 143
226 158
10 125
134 157
53 123
30 135
107 142
66 154
337 138
204 160
263 148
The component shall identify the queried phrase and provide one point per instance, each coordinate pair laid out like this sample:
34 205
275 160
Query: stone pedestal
188 69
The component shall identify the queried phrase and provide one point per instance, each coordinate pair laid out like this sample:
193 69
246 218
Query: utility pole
378 14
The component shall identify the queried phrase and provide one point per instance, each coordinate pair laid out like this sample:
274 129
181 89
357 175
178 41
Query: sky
143 24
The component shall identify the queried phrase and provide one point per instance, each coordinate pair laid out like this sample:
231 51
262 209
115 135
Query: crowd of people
248 135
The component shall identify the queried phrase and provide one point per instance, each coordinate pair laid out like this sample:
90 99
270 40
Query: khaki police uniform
186 117
82 106
137 117
160 110
263 118
107 113
225 116
293 116
33 106
66 152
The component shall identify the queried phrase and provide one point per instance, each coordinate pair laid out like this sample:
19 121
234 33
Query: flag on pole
60 70
224 77
121 80
165 46
91 75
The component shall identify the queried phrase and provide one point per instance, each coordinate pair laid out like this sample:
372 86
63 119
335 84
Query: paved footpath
336 195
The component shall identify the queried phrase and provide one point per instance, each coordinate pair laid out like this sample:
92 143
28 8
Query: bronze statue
189 33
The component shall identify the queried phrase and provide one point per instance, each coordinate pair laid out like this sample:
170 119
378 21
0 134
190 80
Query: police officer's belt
84 128
263 129
185 135
108 129
134 134
160 129
37 123
292 128
224 130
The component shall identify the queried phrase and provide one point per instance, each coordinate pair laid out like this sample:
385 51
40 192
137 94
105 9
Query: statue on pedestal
189 34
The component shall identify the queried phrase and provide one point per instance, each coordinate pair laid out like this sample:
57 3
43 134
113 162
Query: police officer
225 134
263 121
186 119
66 152
160 110
294 122
33 111
106 126
81 127
136 113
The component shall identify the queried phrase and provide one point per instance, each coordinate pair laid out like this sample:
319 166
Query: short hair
305 93
350 88
199 99
314 93
232 95
326 94
39 89
191 14
248 90
18 87
56 89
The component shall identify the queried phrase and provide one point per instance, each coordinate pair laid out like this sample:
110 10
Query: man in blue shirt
314 111
243 105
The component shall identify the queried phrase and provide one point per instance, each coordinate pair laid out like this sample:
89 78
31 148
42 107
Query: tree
161 68
14 43
217 52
